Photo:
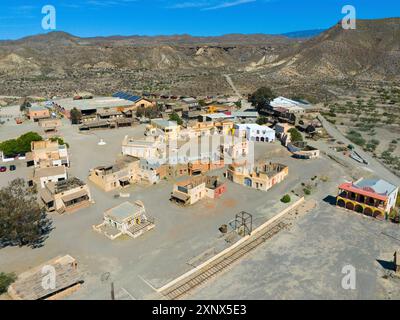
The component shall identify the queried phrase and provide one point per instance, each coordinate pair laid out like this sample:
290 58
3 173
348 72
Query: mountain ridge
371 52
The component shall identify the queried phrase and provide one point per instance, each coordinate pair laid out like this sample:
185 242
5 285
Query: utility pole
112 291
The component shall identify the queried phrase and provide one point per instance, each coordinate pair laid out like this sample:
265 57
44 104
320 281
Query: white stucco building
254 132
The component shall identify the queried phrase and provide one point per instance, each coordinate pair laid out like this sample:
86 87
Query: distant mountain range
372 52
304 33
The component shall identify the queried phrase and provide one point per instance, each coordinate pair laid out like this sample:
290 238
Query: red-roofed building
372 197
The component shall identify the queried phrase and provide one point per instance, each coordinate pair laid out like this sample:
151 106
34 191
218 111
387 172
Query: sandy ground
284 268
307 261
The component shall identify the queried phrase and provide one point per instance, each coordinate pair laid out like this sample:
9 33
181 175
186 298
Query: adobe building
168 129
37 113
125 219
47 153
254 132
65 196
28 285
190 191
150 148
50 125
152 172
121 174
42 176
372 197
261 177
301 150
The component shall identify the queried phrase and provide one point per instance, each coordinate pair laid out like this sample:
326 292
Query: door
247 182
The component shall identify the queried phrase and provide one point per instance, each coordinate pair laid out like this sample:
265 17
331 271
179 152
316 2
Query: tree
24 105
20 145
261 98
286 199
175 117
149 112
25 141
238 103
6 279
59 140
262 120
295 135
76 116
22 221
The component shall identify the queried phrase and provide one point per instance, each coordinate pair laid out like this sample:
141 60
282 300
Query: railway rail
214 268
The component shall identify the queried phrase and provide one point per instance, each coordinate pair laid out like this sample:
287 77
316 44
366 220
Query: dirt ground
284 268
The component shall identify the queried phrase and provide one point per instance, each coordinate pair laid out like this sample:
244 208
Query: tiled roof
375 188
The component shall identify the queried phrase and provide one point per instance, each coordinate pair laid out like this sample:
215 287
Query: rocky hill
169 63
372 51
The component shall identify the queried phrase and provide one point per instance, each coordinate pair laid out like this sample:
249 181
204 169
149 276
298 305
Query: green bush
286 199
175 117
295 135
356 137
60 141
261 97
20 145
6 279
262 120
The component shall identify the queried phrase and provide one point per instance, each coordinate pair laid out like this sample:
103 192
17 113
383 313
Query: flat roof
379 186
28 285
218 116
95 103
123 211
189 100
37 108
48 172
253 126
252 114
164 123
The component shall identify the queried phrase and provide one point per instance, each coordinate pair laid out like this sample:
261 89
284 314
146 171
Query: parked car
13 168
3 169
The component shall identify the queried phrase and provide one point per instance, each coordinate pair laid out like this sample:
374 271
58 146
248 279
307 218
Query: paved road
373 165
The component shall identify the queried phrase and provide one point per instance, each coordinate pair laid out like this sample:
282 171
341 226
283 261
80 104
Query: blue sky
20 18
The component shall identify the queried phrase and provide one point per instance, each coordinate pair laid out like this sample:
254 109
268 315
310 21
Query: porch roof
348 186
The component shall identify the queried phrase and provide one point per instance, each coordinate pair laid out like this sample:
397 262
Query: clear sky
20 18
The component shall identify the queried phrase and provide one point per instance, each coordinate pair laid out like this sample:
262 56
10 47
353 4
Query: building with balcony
372 197
65 196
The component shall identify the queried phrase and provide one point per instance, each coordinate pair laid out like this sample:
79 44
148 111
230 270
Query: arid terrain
60 64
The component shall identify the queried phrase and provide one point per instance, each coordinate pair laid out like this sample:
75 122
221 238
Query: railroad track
207 272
